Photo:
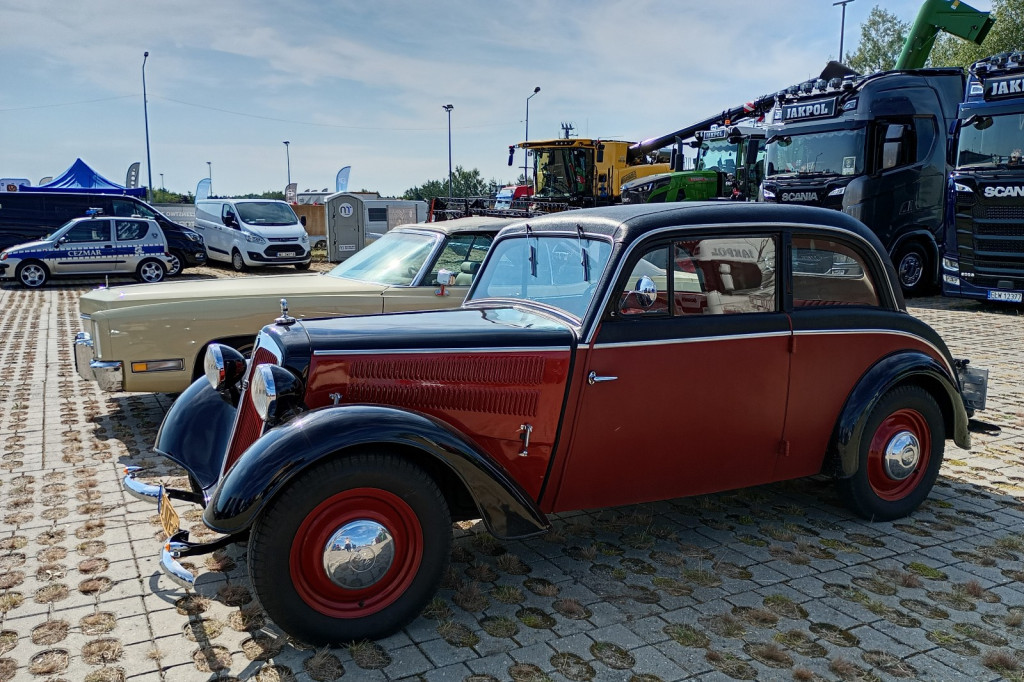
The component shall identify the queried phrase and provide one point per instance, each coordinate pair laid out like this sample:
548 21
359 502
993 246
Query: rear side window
830 273
129 230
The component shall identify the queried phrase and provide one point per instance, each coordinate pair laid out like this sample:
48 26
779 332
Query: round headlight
275 392
223 366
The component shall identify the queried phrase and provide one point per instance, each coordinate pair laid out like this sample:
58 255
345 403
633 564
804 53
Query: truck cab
873 147
983 257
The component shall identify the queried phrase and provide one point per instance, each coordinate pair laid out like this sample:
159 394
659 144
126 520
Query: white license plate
286 254
1010 296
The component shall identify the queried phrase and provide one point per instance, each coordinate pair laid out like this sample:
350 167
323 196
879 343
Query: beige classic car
153 337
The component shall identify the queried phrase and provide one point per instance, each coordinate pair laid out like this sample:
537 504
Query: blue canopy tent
80 178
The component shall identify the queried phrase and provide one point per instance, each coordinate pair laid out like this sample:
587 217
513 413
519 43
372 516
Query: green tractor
729 165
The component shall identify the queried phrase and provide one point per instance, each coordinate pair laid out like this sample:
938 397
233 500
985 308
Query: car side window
88 231
128 230
830 273
461 255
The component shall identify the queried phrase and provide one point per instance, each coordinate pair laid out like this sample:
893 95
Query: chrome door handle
595 378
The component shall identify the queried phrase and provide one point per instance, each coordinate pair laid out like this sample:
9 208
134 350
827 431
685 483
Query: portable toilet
356 219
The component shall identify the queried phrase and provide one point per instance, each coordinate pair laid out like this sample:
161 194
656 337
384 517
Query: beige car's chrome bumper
109 375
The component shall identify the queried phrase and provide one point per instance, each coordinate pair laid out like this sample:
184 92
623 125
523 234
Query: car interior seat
467 272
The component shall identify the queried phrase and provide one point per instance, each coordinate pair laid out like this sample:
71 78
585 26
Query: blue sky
363 83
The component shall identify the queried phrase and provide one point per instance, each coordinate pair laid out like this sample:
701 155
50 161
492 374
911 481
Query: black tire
303 266
874 492
32 274
286 549
237 262
175 263
913 268
151 271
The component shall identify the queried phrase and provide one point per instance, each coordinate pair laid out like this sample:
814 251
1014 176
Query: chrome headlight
223 366
961 187
838 191
951 264
253 238
767 193
194 236
276 392
304 238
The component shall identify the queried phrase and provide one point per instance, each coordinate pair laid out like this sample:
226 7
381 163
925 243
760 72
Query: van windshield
266 213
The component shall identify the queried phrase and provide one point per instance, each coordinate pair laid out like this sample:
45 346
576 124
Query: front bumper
3 270
109 375
260 258
195 257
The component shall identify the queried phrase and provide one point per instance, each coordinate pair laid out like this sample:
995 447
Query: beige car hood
234 288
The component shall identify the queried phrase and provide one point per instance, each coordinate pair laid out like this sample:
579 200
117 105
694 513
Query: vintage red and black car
602 357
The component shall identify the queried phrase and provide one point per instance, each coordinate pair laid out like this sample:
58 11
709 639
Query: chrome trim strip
172 569
431 351
890 332
139 489
696 339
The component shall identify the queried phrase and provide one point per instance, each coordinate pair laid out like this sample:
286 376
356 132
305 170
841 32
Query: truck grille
248 425
990 212
1013 246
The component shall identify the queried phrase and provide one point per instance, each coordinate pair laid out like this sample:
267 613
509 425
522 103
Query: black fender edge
282 453
909 367
195 431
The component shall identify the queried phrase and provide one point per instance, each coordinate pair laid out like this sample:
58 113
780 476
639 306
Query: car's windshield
562 172
547 269
266 213
719 154
832 152
395 258
992 142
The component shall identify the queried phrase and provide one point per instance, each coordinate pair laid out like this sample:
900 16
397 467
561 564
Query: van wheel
33 274
303 266
236 261
150 271
175 263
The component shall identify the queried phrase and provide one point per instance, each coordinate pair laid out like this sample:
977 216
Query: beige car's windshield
395 258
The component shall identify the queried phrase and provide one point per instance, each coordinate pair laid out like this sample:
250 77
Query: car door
686 377
86 247
461 255
135 240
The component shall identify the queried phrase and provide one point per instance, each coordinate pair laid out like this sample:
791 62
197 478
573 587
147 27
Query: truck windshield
548 269
717 154
992 142
395 258
563 172
266 213
833 152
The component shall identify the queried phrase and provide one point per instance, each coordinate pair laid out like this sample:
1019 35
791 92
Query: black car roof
627 222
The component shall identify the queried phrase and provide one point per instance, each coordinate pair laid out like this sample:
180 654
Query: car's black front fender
276 458
911 367
195 431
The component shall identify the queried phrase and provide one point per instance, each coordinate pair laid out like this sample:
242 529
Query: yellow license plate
168 517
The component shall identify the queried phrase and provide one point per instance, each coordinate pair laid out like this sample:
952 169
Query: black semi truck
874 147
983 254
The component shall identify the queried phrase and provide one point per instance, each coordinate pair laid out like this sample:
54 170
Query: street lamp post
145 113
288 158
842 26
209 175
448 108
161 181
526 152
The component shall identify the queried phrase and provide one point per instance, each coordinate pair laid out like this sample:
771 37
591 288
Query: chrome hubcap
902 454
359 554
32 275
150 272
911 269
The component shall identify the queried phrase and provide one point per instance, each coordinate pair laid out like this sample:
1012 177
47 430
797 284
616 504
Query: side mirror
646 291
445 278
230 220
600 153
302 220
511 153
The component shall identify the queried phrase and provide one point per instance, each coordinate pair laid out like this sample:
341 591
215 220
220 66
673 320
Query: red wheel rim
306 559
884 485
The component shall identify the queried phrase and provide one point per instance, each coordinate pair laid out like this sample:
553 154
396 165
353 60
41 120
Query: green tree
465 183
881 39
1007 35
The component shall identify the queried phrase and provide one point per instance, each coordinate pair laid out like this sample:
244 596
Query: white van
252 232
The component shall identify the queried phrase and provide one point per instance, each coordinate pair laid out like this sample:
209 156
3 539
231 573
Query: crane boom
953 17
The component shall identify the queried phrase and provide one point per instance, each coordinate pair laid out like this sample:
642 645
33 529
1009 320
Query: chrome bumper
109 375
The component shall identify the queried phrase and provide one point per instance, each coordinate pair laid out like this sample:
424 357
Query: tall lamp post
161 181
842 26
288 158
448 108
145 113
209 175
526 152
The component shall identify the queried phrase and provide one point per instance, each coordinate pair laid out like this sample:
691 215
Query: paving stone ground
774 582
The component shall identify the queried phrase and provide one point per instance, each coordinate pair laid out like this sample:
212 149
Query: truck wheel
911 262
237 262
33 274
175 263
899 456
150 271
353 549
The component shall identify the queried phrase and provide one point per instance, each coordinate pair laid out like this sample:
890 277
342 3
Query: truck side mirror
511 153
892 147
600 153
